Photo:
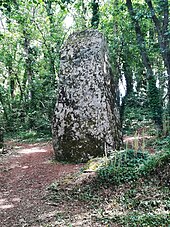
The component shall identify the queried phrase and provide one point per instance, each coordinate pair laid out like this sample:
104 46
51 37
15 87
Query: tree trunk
95 14
51 50
153 92
163 38
28 86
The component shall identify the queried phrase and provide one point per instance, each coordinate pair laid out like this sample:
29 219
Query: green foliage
31 35
123 167
29 136
137 114
163 144
136 219
29 61
130 165
155 163
154 102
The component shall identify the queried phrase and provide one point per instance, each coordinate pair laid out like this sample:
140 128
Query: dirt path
24 178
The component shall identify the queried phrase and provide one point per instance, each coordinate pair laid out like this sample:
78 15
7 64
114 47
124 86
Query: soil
25 175
28 171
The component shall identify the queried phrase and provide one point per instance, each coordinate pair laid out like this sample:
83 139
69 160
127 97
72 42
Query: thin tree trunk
28 77
28 69
95 14
163 37
153 92
11 80
50 13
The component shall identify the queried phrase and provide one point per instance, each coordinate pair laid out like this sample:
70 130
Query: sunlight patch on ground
25 167
4 203
32 150
16 199
6 206
12 166
47 215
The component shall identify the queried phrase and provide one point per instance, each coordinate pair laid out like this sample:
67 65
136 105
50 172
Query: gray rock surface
86 120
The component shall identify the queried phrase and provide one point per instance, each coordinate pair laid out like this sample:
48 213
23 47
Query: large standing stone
86 120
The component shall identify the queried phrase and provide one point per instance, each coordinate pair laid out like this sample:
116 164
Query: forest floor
38 192
25 173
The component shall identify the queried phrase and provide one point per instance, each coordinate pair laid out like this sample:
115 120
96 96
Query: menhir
86 120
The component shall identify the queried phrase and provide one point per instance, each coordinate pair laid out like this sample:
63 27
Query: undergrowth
29 136
122 166
130 165
136 219
130 188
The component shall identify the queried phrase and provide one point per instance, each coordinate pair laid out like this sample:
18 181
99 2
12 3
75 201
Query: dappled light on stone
86 121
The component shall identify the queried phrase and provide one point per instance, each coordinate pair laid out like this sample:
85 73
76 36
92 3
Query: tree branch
154 17
140 39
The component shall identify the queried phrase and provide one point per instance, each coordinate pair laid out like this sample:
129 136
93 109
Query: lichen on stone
86 119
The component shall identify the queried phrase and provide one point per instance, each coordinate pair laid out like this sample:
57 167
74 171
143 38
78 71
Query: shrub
122 166
129 165
150 219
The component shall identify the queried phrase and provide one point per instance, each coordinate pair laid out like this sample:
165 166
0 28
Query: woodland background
32 33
